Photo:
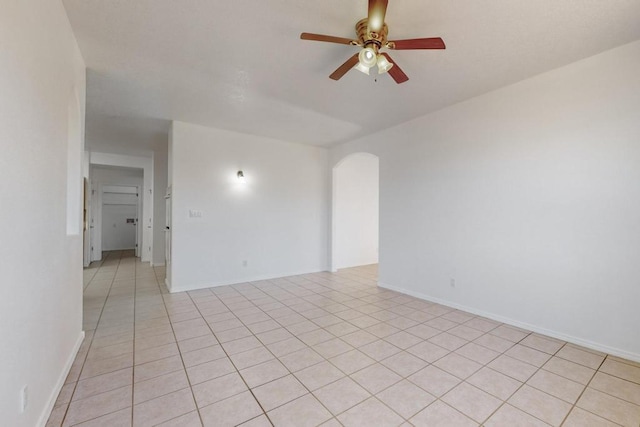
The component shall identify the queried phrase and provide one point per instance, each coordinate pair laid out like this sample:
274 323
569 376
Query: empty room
340 213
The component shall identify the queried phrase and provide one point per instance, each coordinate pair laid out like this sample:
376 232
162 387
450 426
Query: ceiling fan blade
396 73
428 43
323 38
342 70
377 12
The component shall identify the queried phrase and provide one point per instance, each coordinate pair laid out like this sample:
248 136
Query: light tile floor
321 349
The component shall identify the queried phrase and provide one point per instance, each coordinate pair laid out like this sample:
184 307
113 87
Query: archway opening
355 216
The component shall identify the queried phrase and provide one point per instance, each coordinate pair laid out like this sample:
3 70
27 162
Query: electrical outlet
453 282
24 399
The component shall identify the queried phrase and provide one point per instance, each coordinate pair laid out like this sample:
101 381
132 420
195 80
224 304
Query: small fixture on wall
241 178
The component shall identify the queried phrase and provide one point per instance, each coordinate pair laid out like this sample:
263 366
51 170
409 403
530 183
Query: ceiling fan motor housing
371 39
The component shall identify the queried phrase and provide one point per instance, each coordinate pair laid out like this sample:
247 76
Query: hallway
321 349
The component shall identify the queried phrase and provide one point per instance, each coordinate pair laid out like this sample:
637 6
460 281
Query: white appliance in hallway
120 206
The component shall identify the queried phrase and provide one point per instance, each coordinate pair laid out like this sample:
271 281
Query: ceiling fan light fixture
383 64
368 57
362 68
371 36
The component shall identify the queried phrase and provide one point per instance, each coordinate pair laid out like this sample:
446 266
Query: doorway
116 209
355 219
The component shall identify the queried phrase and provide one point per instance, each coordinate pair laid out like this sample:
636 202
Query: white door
119 218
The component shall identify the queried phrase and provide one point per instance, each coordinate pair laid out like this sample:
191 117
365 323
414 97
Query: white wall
41 284
355 211
277 221
529 197
117 176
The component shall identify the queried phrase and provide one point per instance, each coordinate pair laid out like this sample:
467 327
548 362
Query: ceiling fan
372 37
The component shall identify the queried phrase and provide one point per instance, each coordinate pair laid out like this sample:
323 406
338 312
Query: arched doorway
354 237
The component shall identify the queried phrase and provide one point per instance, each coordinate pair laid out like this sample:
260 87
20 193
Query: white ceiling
240 65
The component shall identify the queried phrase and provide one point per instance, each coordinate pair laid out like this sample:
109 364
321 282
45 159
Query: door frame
147 165
167 238
86 222
96 218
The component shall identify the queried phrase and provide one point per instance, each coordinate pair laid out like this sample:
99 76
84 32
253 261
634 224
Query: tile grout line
92 337
184 367
541 368
462 380
582 393
402 378
230 360
349 375
322 293
538 368
75 383
523 383
372 395
439 398
133 369
278 358
92 276
315 364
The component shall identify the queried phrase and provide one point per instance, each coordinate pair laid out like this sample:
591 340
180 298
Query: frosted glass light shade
362 68
367 57
383 64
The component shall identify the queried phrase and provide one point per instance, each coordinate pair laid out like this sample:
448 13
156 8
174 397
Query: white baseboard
159 264
241 280
543 331
60 383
